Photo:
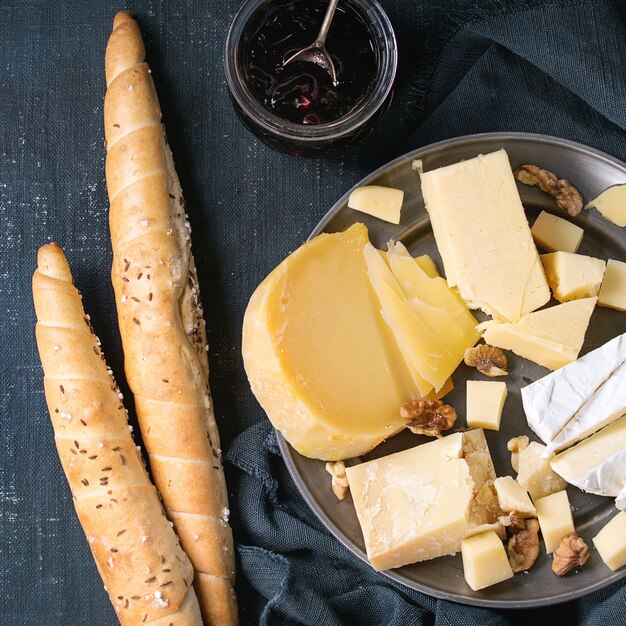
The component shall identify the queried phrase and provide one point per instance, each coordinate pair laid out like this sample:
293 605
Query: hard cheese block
607 404
485 562
598 463
512 497
551 337
320 359
485 401
612 204
573 276
555 519
420 503
483 236
550 402
613 289
384 203
611 542
553 233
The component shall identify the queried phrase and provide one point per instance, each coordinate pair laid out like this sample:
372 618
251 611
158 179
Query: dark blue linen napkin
556 68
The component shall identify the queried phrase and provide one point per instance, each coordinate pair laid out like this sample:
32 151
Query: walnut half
564 193
339 481
523 545
488 360
572 552
426 417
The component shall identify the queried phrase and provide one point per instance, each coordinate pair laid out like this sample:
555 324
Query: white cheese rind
596 464
607 404
550 402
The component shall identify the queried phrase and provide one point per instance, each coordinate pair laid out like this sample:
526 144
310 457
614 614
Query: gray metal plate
591 172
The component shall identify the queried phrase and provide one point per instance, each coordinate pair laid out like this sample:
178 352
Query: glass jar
313 139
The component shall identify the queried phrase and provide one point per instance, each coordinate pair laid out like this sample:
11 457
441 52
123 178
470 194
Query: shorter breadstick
146 573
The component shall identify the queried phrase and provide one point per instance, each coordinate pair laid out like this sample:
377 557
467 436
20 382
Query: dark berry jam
302 92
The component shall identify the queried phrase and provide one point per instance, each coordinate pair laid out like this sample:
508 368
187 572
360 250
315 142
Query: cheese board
591 172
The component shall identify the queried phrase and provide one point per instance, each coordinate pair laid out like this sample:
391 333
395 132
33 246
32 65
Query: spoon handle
330 11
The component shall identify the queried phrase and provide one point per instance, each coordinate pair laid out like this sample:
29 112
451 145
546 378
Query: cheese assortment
551 337
346 344
483 236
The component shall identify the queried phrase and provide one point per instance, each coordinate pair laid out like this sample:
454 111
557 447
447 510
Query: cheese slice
433 347
551 337
485 561
612 204
573 276
418 504
550 402
613 289
427 265
320 359
553 233
607 404
555 519
416 284
596 464
483 236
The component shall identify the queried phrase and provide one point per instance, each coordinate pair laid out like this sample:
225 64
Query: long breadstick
145 572
161 321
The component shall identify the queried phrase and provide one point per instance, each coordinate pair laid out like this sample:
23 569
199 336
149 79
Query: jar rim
383 33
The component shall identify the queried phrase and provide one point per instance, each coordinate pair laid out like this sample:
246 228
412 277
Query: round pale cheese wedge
319 357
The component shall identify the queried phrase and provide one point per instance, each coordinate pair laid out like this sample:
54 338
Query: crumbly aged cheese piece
611 541
485 401
513 497
385 203
551 337
613 289
483 236
607 404
573 276
612 204
535 474
321 361
420 503
550 402
598 463
555 518
553 233
429 337
485 562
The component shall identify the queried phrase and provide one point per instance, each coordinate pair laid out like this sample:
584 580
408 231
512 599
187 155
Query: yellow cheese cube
573 276
555 518
485 562
612 204
385 203
534 472
420 503
611 541
551 337
553 233
485 401
613 290
513 497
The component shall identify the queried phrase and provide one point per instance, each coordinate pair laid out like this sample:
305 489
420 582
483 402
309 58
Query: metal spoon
316 52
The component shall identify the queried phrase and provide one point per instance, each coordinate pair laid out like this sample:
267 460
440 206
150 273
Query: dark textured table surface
249 207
